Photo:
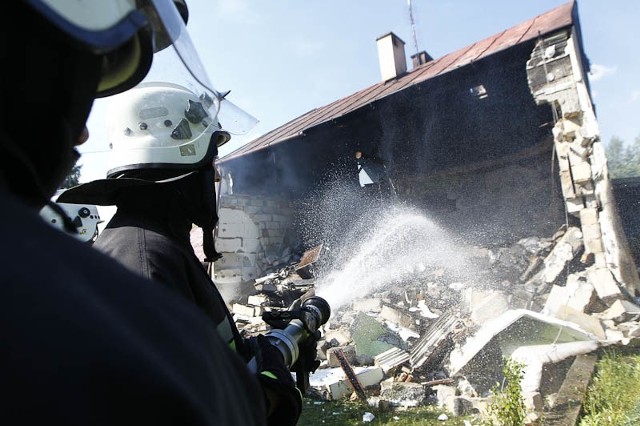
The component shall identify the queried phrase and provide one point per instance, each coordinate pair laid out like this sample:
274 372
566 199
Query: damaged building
498 230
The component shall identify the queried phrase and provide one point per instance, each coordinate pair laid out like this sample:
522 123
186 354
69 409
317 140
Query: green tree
623 159
73 178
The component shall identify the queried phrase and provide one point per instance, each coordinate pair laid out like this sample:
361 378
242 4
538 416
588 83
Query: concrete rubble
429 342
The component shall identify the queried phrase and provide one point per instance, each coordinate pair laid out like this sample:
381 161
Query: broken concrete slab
605 285
332 383
366 333
397 316
390 359
435 341
513 329
566 249
403 394
621 311
486 305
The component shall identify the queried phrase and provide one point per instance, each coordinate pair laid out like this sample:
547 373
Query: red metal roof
545 23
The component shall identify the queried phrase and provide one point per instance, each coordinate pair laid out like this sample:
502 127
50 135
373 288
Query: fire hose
290 328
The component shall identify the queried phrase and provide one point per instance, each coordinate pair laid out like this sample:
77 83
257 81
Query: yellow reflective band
225 331
118 73
269 374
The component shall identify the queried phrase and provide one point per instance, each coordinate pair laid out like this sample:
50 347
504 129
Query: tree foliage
73 178
623 159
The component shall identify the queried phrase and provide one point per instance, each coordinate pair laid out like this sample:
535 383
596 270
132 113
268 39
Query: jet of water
384 248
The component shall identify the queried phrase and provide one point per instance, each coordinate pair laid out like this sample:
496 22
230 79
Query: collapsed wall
557 77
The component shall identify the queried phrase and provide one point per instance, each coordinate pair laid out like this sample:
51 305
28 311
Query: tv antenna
413 26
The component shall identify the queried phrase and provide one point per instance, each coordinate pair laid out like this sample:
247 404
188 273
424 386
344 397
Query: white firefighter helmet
85 219
162 126
125 32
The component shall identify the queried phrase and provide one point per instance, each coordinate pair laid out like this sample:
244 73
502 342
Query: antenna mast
413 26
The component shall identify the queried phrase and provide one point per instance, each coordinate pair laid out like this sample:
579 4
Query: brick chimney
420 58
393 62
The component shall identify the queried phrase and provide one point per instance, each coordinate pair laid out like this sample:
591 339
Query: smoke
372 244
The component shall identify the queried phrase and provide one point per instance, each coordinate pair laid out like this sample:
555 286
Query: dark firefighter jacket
152 238
147 242
86 342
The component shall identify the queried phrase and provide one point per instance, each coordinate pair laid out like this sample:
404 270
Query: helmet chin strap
209 205
208 245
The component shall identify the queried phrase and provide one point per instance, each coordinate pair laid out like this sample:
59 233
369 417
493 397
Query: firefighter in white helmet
84 340
164 142
82 223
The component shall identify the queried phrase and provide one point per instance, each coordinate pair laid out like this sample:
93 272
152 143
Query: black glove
284 400
308 352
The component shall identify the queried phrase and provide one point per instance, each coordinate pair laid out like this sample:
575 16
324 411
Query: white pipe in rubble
534 358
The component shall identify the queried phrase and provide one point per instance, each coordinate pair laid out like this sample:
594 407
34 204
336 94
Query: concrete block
372 304
229 216
579 149
282 219
569 128
230 230
589 217
574 204
403 394
605 285
257 202
334 383
243 310
594 245
258 300
578 295
489 306
591 232
567 184
262 218
249 273
444 393
349 353
231 261
586 189
251 245
228 245
581 172
621 311
615 335
586 322
397 316
574 158
341 337
222 274
226 201
562 150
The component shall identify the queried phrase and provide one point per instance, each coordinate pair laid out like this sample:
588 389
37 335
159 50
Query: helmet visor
180 64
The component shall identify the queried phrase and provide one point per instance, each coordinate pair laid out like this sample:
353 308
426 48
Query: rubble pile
436 339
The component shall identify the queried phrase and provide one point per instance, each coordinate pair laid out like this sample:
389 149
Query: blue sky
282 58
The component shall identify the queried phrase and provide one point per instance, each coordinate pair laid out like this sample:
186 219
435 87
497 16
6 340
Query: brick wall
252 234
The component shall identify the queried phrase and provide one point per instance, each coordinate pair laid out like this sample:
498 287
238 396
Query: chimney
420 58
393 62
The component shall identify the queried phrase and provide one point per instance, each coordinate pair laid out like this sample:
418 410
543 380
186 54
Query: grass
613 397
345 413
507 407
